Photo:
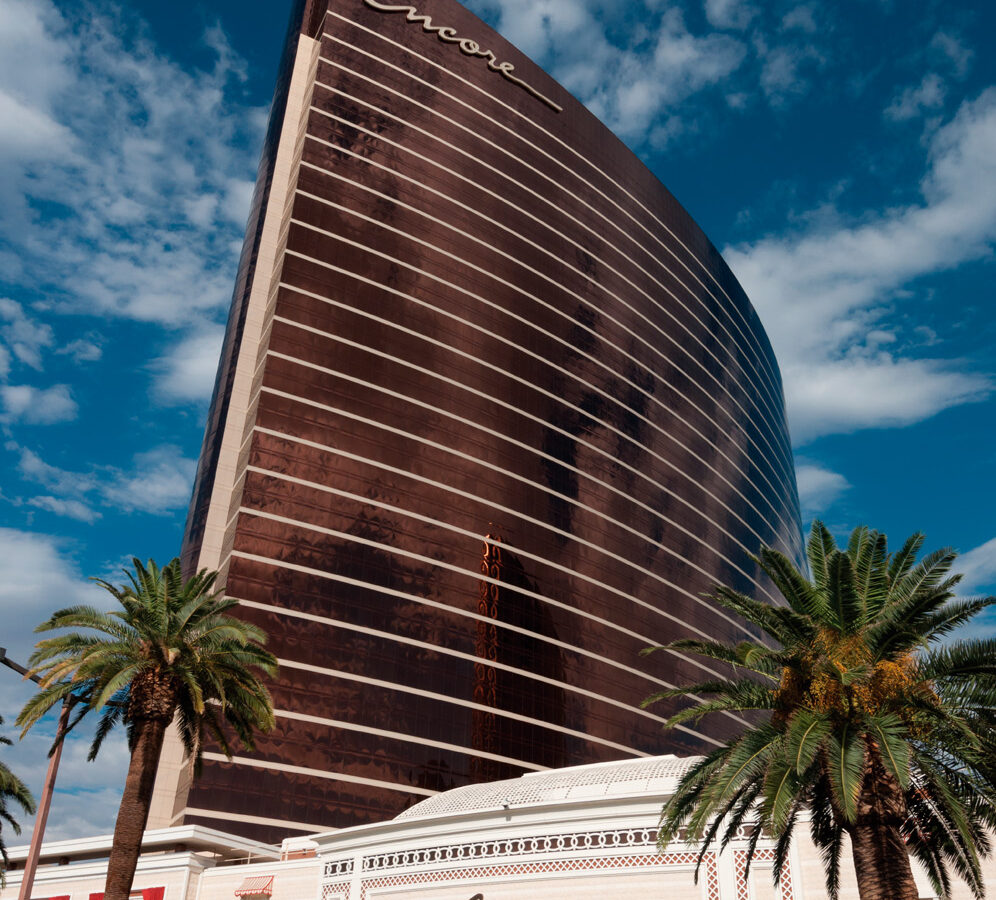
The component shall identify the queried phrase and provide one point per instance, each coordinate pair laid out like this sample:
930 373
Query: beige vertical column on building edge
174 775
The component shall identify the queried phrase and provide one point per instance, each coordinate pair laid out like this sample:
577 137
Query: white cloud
25 337
40 577
29 133
979 568
71 509
821 291
734 14
927 96
37 578
187 371
158 482
34 468
82 350
647 84
846 394
537 26
32 57
37 406
784 69
73 767
84 812
801 18
32 75
947 47
635 83
638 77
157 201
819 487
234 204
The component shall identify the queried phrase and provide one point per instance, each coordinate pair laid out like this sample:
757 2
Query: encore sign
470 48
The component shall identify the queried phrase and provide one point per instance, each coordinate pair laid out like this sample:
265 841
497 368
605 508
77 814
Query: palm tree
170 651
11 789
869 723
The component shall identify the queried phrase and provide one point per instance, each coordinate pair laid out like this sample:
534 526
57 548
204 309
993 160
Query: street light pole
41 817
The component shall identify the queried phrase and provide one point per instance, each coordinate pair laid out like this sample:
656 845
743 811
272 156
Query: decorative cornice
467 46
569 843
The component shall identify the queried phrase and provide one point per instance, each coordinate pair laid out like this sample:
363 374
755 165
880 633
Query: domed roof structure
628 777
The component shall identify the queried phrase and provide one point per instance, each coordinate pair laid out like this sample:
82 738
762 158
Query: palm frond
801 595
170 646
952 615
819 548
827 831
782 785
962 659
806 738
846 605
904 560
783 624
746 655
925 575
891 737
845 764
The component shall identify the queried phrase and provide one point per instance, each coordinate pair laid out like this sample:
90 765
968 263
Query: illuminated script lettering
467 46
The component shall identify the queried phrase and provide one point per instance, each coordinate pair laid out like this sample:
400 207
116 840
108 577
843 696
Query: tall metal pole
41 817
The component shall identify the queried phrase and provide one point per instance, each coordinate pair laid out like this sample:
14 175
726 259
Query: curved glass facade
492 415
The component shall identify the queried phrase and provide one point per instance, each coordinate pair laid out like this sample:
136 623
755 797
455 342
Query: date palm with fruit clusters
873 723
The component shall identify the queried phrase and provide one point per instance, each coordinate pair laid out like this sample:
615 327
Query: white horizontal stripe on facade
318 773
737 373
342 725
479 577
469 324
517 134
686 593
775 489
457 259
781 466
697 486
752 343
695 662
586 384
524 446
251 820
458 654
771 403
466 704
615 523
560 532
330 576
671 523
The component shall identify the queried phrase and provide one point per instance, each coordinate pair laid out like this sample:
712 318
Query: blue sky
841 154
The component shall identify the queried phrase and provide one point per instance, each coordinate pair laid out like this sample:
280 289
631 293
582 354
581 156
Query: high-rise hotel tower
492 414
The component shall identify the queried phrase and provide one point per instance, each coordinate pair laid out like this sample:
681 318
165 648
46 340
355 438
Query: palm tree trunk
882 863
881 860
134 810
